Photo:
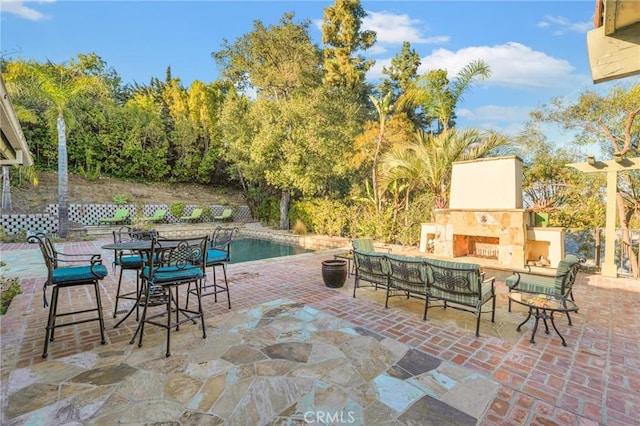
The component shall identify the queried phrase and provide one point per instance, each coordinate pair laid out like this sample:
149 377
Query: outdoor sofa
457 285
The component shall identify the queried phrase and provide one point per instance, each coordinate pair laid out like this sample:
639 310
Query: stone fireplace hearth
486 218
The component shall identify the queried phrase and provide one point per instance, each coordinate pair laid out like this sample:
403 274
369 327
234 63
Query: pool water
248 249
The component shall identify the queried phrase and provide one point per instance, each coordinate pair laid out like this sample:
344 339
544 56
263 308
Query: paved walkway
242 373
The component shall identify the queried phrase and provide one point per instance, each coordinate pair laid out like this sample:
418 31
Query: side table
543 306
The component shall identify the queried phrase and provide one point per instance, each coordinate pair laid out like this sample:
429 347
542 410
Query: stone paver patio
291 347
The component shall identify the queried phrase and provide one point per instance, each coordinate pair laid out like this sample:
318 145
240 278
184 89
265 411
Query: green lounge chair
196 214
227 214
158 216
121 216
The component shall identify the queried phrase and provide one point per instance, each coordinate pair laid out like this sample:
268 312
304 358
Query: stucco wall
487 183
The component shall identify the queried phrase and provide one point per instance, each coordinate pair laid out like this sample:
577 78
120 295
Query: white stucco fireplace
486 218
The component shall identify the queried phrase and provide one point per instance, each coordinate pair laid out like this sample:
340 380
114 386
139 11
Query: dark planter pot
334 272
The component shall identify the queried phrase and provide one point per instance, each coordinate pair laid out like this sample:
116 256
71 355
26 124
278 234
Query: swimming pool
248 249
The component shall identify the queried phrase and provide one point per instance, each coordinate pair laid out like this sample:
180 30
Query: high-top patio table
142 246
543 306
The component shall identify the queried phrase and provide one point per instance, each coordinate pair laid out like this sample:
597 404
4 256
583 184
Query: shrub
9 288
206 213
322 216
120 199
299 228
177 209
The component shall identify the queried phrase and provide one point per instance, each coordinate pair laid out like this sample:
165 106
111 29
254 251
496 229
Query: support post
611 168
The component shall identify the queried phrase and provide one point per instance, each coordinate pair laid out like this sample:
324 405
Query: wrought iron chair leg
226 284
169 321
99 307
50 321
115 308
199 293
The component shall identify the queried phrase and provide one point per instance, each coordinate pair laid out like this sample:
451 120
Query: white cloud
505 119
512 65
396 29
561 25
19 7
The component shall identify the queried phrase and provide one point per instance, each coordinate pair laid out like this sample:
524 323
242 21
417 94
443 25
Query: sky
536 50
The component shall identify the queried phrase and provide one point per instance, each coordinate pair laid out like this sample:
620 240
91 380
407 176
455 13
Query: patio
291 351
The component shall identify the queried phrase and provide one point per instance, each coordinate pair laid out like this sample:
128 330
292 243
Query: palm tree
57 86
383 108
438 97
428 161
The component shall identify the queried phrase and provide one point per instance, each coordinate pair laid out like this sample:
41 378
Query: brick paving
594 380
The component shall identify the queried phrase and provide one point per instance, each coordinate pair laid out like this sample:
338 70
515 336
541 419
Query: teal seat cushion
216 256
173 273
129 262
78 274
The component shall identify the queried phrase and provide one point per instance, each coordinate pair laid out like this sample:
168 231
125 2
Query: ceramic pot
334 272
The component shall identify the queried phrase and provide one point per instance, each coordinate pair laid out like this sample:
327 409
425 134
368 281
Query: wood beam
616 57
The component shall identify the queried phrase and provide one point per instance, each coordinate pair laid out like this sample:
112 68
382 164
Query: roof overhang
14 150
614 45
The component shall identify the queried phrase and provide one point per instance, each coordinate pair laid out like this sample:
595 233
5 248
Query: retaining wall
89 214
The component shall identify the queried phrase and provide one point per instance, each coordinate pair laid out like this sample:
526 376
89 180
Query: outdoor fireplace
486 218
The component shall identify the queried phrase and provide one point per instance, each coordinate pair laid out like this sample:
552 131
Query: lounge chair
158 216
196 214
227 214
120 217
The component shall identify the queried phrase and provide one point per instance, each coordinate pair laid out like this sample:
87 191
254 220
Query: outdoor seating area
297 346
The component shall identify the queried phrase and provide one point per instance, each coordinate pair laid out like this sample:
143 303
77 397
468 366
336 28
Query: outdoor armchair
169 264
69 271
218 254
559 285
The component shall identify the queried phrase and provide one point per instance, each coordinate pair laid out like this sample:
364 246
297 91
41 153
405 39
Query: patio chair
559 285
227 214
158 216
172 263
372 268
218 254
196 214
69 271
120 217
131 261
365 244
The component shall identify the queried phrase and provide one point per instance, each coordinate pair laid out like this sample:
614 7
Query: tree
383 108
402 72
438 97
611 121
58 86
429 159
575 199
283 66
342 38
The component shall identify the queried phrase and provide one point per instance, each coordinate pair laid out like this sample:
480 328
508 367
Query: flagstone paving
291 347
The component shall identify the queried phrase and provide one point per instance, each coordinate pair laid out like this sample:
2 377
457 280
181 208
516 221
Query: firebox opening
476 246
536 251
